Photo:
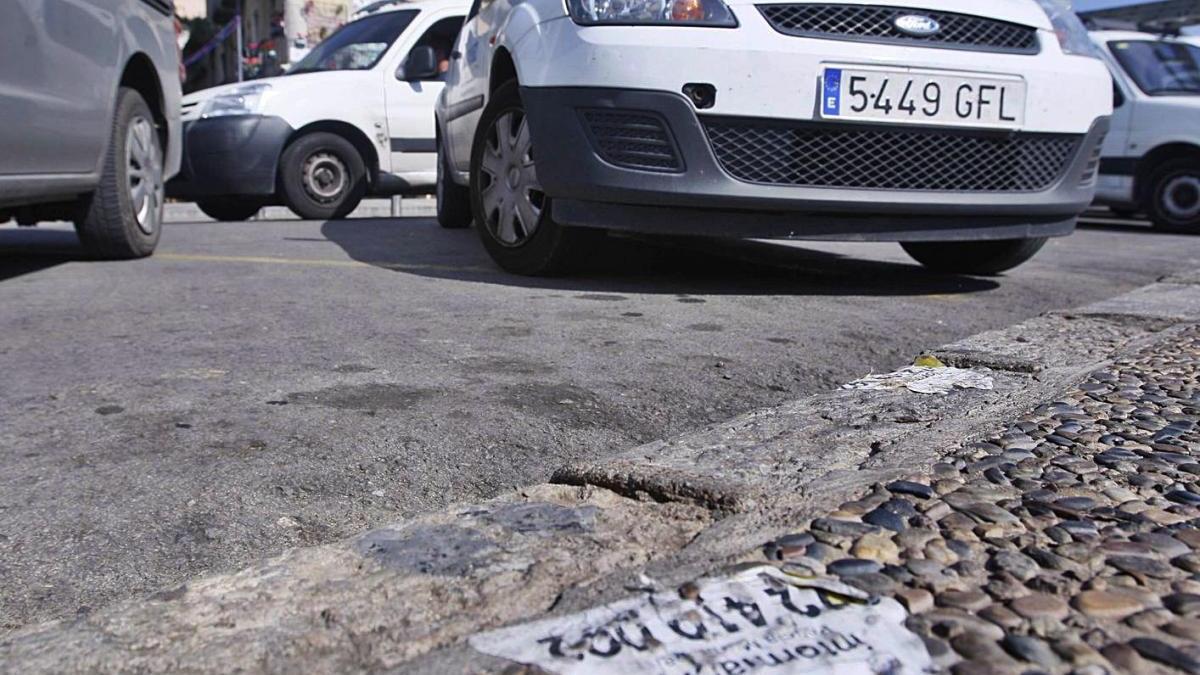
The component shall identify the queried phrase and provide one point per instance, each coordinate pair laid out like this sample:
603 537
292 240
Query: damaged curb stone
407 597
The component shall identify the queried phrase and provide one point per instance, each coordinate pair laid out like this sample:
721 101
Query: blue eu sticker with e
832 97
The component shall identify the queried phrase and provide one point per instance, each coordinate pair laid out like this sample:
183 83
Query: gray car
89 117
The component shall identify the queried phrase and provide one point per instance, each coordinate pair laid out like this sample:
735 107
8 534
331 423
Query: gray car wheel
124 214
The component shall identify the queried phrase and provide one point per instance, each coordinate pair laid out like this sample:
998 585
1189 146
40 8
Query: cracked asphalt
263 385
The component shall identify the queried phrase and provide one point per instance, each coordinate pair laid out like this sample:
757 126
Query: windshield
358 45
1160 68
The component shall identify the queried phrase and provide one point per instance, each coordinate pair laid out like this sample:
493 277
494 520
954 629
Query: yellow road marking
314 262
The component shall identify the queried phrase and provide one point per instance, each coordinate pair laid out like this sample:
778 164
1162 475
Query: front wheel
974 257
1174 199
229 209
512 213
124 215
322 176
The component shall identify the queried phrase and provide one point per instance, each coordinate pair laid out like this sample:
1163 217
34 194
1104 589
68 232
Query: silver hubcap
325 177
509 189
144 162
1181 197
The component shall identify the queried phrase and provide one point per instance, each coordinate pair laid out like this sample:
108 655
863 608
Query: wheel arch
140 75
351 133
1157 157
504 68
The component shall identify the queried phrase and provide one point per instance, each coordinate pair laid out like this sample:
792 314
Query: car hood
1025 12
280 84
281 88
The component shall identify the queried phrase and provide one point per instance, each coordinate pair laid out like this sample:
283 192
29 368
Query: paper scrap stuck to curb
926 380
760 620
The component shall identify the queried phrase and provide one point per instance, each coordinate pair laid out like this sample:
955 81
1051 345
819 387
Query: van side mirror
420 64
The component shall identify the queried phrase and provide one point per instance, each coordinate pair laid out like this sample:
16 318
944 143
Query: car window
1160 68
358 45
441 37
474 10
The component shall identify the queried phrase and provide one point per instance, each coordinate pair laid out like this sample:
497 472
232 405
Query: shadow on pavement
647 265
28 250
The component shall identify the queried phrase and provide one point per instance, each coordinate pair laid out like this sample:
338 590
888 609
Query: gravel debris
1068 543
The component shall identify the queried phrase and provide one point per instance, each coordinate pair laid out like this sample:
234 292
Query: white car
352 118
967 131
1151 160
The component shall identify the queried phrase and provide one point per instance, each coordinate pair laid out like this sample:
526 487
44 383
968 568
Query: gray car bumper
699 196
226 156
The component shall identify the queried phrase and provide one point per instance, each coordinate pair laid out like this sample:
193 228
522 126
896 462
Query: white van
353 118
1151 158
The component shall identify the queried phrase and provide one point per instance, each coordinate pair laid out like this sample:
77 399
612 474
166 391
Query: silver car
89 117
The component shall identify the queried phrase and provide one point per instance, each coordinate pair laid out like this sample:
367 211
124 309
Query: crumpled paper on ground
926 380
758 620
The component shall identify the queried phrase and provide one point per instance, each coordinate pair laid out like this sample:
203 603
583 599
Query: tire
229 209
123 217
453 200
1173 198
322 176
519 233
974 257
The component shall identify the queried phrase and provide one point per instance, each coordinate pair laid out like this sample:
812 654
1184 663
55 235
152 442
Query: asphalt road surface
278 383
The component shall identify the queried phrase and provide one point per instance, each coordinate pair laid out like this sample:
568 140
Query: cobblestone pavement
1068 543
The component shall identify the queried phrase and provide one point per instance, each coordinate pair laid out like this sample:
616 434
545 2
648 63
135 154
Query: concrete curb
412 207
404 598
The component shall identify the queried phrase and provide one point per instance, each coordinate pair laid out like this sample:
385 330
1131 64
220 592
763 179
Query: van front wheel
322 176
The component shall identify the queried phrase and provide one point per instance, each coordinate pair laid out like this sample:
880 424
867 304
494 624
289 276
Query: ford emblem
917 25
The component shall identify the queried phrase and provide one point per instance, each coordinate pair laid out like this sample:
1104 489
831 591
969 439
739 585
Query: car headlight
1072 34
712 13
243 100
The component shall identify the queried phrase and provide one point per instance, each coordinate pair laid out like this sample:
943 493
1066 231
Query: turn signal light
687 10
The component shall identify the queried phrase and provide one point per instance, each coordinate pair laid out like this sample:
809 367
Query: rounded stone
1106 604
911 488
1184 629
1040 606
915 600
1031 650
848 567
877 547
886 519
1183 604
971 601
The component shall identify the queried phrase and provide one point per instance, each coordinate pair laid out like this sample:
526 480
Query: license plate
923 97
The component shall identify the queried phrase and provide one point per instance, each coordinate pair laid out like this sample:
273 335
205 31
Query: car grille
632 139
878 24
874 158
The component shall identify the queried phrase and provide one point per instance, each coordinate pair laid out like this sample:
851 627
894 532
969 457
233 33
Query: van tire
322 176
122 219
1173 196
981 258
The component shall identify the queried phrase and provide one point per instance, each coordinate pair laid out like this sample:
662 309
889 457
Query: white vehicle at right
1151 158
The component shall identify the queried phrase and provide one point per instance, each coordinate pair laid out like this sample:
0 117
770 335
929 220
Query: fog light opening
702 95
